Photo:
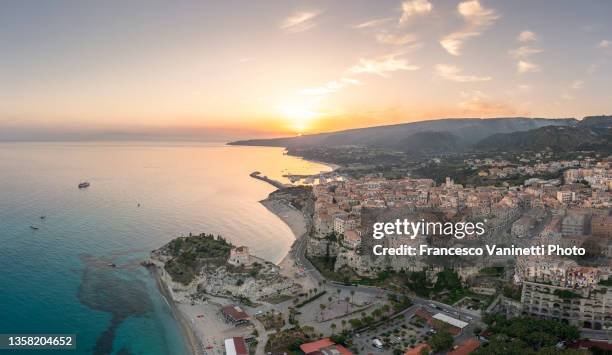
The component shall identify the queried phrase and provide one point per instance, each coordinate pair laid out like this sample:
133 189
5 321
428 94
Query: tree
386 308
322 306
355 323
346 299
333 327
441 341
352 295
343 324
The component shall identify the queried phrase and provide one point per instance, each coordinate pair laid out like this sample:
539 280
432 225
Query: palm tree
386 308
322 306
352 294
343 324
329 299
338 292
346 299
333 327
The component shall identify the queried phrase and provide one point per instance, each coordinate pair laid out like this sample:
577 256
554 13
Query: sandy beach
201 322
188 331
299 226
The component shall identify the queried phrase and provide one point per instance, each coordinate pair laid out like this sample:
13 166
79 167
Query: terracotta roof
324 347
466 347
417 349
236 346
584 343
235 312
311 347
423 314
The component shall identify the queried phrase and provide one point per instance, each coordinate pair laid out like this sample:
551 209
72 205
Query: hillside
417 137
592 133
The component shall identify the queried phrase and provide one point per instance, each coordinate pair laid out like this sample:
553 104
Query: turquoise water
57 279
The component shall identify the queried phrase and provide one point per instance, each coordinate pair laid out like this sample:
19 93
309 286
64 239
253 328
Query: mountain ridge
429 136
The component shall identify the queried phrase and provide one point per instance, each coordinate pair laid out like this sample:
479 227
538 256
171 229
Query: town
334 295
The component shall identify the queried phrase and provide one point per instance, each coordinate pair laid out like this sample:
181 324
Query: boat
83 185
43 217
112 264
34 227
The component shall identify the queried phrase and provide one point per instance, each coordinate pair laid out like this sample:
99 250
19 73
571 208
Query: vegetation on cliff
189 254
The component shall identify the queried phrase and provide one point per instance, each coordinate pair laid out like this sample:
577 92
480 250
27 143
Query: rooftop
466 347
450 320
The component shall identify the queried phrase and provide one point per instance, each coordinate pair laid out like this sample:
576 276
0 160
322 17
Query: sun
300 117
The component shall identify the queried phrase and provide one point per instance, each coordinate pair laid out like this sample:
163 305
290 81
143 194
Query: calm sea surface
57 279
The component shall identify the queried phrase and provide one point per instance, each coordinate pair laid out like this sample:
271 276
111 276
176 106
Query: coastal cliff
201 265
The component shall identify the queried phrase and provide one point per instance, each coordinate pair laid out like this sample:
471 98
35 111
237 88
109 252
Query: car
377 343
258 313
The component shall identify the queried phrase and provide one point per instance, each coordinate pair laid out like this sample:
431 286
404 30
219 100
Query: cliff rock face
267 283
201 263
321 247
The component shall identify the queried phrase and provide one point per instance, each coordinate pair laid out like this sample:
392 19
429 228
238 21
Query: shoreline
290 265
332 166
297 223
292 217
188 332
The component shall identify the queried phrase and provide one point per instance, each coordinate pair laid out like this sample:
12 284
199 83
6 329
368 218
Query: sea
79 272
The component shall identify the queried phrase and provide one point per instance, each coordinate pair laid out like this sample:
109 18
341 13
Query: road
299 250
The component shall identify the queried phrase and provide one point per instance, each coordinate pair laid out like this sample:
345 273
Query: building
574 224
589 308
456 325
240 256
601 226
566 196
324 347
236 346
235 315
465 348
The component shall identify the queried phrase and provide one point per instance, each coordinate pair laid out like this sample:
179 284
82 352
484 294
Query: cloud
396 40
577 84
411 8
330 87
524 86
477 102
475 14
527 36
604 44
382 66
477 19
524 66
454 41
372 23
453 73
524 52
299 21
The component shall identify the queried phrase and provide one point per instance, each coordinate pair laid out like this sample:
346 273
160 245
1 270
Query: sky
230 68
